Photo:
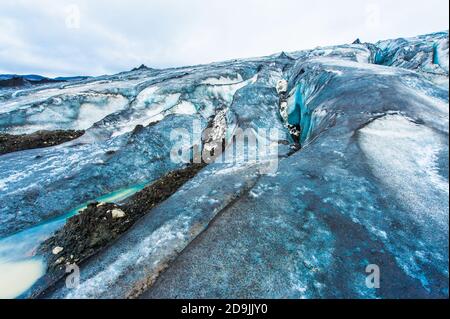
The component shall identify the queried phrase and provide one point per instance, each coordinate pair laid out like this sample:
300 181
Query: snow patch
404 156
184 108
152 113
226 92
90 113
223 80
442 54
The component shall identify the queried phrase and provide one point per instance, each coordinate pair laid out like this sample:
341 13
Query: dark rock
137 129
357 41
160 190
12 143
142 67
13 82
100 224
110 153
18 81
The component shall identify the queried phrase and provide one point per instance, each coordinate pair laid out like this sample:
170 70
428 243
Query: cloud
67 37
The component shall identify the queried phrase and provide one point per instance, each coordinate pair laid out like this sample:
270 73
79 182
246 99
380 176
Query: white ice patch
363 56
226 92
348 53
403 155
320 113
273 77
442 52
430 108
155 109
57 115
39 95
151 114
223 80
184 108
146 97
378 69
337 72
90 113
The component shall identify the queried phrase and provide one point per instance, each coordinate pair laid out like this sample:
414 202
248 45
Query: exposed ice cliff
368 187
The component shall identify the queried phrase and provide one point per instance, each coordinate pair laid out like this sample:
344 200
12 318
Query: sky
95 37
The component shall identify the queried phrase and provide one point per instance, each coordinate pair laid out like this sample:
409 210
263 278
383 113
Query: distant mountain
15 80
71 78
142 67
32 77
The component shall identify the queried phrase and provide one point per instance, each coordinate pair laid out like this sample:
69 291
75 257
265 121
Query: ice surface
442 54
370 185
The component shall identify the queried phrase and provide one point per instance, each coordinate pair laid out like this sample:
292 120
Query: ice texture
369 186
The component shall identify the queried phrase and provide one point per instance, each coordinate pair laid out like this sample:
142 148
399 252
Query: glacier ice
369 186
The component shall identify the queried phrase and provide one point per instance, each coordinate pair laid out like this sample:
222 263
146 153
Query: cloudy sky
93 37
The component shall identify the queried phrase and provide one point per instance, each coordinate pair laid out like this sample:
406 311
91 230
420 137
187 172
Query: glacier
369 185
